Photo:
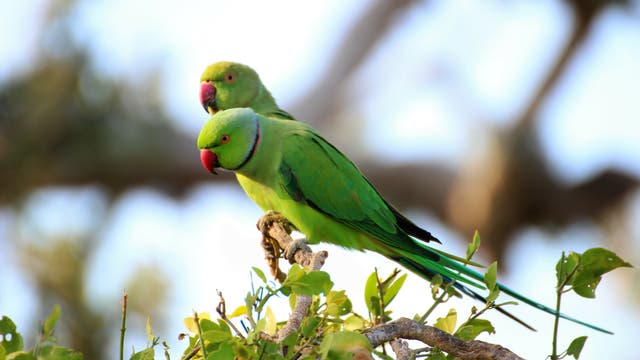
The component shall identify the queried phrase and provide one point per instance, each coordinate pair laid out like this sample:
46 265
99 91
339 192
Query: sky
486 55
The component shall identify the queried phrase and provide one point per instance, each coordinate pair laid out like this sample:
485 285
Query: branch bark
402 350
412 330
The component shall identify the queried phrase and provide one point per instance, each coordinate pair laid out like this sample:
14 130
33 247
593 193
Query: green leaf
594 263
243 352
146 354
436 283
272 324
288 343
224 326
190 322
337 303
447 323
353 322
311 283
239 311
322 280
207 324
587 289
292 300
471 329
473 247
491 275
295 272
21 355
49 352
310 326
11 339
150 336
223 352
490 279
215 332
436 354
60 353
376 310
371 294
260 274
50 323
493 295
249 300
576 346
566 266
344 345
260 325
393 289
216 336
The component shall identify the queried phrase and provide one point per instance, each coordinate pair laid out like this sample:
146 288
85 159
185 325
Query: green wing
310 166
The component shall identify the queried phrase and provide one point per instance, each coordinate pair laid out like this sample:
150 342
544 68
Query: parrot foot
269 218
293 247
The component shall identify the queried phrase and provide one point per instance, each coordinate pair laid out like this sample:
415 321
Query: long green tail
429 262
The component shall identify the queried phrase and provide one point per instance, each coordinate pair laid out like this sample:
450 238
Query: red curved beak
208 96
209 160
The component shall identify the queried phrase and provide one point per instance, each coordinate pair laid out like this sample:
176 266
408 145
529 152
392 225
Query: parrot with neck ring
226 85
286 166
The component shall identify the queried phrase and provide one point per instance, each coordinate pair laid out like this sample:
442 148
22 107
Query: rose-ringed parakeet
286 166
226 85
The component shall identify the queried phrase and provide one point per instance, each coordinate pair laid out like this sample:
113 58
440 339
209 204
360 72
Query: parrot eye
230 78
225 139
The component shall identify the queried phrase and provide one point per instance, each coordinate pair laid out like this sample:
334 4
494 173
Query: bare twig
408 329
221 309
123 325
195 317
194 351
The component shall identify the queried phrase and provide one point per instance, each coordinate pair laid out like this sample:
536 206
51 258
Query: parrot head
228 139
225 85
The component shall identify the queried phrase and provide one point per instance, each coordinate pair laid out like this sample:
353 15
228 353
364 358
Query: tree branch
404 328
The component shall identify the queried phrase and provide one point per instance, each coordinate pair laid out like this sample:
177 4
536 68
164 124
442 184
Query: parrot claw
270 217
293 247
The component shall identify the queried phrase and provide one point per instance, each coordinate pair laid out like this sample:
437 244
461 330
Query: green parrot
226 85
286 166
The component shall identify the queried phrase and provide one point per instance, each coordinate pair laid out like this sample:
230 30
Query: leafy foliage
581 273
379 293
330 329
11 346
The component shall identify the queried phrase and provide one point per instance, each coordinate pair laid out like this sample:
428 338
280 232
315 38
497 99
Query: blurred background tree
79 146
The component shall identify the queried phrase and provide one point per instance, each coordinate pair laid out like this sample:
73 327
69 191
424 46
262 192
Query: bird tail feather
428 262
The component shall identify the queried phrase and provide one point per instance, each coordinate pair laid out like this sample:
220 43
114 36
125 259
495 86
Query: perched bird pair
286 166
